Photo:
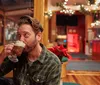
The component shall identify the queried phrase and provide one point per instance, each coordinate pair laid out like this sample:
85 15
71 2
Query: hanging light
97 2
65 9
48 13
95 24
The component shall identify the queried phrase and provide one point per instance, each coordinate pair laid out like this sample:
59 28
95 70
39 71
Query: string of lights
71 9
86 9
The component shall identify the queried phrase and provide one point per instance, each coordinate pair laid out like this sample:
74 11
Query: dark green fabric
69 83
46 70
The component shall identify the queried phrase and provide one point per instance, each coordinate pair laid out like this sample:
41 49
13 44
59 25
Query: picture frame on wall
10 31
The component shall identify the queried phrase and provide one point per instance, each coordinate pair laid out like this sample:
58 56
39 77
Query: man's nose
21 38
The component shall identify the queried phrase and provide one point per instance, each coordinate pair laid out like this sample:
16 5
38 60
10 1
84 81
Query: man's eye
26 35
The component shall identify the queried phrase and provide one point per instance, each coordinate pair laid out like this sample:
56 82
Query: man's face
27 35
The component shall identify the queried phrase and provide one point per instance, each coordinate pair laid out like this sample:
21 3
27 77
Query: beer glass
16 51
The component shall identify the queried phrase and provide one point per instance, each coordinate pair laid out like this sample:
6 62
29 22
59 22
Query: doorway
76 36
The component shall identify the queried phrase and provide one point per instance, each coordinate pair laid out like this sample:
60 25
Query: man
36 65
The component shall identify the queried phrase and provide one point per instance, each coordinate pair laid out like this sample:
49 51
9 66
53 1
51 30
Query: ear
39 36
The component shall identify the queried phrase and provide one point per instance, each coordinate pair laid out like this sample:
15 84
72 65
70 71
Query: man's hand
6 51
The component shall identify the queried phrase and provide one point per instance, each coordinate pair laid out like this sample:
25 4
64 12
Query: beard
32 46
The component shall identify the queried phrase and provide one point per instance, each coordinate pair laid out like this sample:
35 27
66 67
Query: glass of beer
16 51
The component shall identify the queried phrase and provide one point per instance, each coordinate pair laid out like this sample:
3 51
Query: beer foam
19 43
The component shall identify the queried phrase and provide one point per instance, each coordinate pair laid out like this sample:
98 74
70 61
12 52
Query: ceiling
9 5
16 8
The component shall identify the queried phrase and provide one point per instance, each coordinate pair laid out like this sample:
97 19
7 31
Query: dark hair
31 21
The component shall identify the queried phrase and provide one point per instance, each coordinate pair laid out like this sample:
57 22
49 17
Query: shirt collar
42 56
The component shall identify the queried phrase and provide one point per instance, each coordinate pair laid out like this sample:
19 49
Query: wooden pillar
2 27
88 21
53 28
40 6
